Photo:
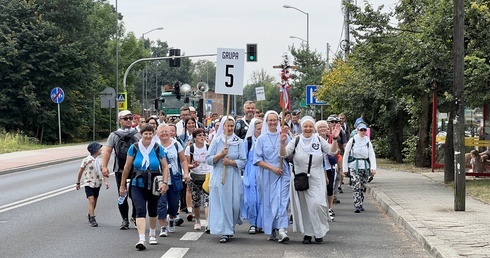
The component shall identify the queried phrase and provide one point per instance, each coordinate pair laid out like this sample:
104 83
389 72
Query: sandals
224 239
252 230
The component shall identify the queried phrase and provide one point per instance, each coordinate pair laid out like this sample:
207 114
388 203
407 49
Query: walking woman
251 198
189 127
274 180
227 155
196 158
328 164
148 159
309 207
360 161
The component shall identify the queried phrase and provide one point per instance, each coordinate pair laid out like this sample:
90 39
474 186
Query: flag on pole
284 89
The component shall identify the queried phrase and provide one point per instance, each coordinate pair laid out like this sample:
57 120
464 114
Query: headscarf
265 127
145 152
314 147
231 140
251 128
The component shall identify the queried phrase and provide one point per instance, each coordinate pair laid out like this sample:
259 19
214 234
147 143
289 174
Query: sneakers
197 226
273 236
306 240
163 232
283 237
331 214
208 231
140 245
124 225
133 220
224 239
178 220
171 226
335 200
361 208
92 221
153 240
340 190
190 217
358 210
252 230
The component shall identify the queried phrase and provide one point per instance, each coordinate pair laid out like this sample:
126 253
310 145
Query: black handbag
301 180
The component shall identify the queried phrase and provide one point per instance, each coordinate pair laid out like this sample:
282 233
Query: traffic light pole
155 59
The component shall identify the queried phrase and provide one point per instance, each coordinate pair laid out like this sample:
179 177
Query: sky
200 27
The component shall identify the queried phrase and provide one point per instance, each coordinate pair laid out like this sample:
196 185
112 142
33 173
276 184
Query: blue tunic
273 188
251 198
225 199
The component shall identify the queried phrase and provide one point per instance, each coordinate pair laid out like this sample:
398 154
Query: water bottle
120 200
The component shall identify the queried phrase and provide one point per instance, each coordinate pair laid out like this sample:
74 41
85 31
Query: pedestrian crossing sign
122 101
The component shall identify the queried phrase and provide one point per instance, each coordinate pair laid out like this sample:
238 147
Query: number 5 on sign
229 71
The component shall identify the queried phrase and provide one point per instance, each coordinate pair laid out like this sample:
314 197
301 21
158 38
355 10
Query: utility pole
458 87
327 65
346 29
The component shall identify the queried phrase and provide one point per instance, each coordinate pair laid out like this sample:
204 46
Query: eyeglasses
127 118
363 129
334 122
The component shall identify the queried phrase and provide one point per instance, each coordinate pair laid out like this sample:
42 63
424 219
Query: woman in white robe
309 208
225 188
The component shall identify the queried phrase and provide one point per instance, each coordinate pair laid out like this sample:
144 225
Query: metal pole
308 30
59 123
93 123
117 64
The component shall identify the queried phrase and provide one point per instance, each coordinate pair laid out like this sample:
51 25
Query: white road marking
191 236
174 252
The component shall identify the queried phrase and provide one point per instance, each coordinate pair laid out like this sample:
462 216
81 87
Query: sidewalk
419 203
424 206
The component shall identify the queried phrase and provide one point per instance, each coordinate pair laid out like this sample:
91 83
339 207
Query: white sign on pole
229 71
260 93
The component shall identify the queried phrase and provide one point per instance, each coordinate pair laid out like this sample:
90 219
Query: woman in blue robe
251 198
227 156
273 180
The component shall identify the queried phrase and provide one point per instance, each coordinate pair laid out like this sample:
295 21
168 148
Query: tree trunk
423 133
397 139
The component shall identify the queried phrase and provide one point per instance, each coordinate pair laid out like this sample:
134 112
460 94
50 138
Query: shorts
89 191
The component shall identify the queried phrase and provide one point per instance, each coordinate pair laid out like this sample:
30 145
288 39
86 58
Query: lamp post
117 70
307 23
302 40
145 75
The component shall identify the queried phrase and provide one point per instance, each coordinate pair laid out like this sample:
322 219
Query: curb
39 165
426 238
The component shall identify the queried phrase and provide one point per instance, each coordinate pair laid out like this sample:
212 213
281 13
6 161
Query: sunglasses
363 129
334 122
127 118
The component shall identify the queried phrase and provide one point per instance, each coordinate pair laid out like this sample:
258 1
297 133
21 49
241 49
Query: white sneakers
153 240
171 225
283 237
163 232
140 245
197 226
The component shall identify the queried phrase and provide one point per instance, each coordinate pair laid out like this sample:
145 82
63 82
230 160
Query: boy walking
93 179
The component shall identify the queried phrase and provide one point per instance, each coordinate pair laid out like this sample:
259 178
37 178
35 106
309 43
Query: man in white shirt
184 114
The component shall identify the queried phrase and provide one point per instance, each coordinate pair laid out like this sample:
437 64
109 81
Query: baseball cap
124 113
361 125
93 147
192 109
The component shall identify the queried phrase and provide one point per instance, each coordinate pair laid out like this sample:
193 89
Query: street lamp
144 96
307 23
302 40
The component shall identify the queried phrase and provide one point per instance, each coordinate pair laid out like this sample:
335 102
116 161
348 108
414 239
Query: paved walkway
419 203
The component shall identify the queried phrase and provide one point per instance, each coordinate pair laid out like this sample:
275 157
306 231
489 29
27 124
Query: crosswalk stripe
174 252
191 236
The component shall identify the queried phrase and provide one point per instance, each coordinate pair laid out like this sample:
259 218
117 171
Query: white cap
124 113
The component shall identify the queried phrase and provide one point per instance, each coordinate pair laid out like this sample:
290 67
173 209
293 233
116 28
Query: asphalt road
42 215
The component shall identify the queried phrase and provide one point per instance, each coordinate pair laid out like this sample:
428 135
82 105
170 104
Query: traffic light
177 89
174 62
251 52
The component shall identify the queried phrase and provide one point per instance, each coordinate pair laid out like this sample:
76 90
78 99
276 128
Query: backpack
121 148
191 150
249 144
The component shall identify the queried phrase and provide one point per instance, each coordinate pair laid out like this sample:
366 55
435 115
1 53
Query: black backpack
121 148
191 150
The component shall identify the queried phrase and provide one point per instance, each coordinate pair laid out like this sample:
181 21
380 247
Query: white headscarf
231 140
145 152
251 128
265 127
310 145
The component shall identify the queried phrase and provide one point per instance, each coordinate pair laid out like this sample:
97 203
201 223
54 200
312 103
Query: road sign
57 95
229 71
259 92
122 101
109 93
310 96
